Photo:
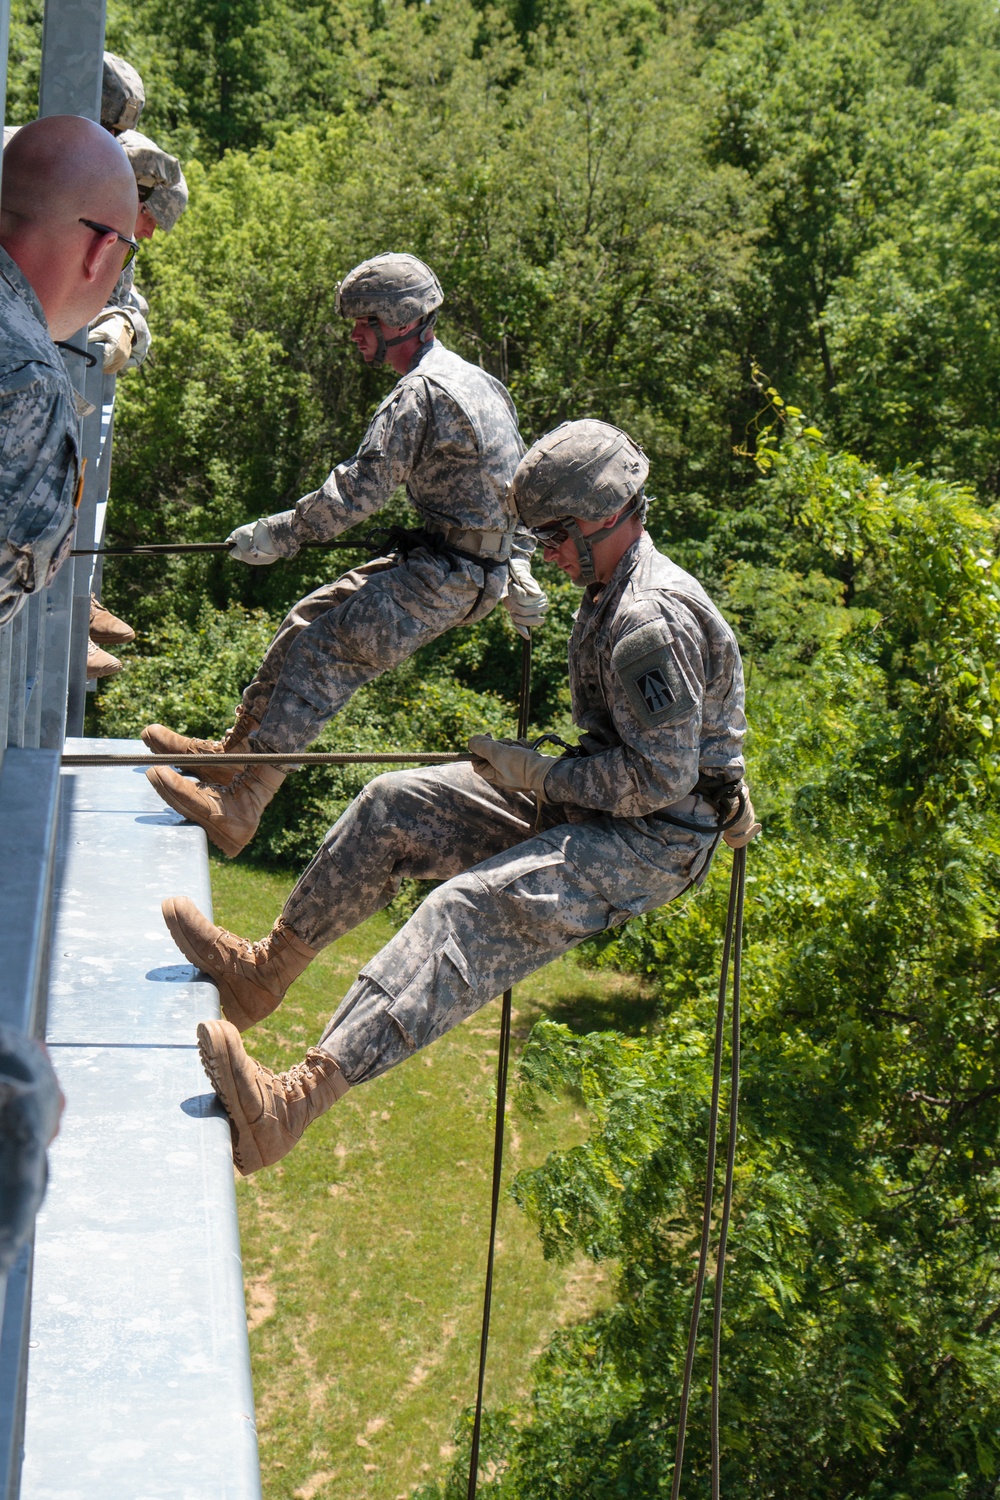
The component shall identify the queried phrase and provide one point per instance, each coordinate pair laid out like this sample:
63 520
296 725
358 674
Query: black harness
726 798
400 541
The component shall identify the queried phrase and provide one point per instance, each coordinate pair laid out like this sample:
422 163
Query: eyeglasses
552 536
133 245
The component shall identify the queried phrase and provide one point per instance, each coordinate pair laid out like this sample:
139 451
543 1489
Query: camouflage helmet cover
395 288
153 167
122 94
166 204
585 469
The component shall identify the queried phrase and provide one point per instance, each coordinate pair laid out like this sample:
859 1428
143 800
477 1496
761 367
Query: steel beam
72 58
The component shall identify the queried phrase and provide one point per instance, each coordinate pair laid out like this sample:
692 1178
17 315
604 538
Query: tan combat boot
105 628
100 663
228 814
267 1111
164 741
253 978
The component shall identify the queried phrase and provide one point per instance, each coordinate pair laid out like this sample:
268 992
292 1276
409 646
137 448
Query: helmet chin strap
584 548
425 328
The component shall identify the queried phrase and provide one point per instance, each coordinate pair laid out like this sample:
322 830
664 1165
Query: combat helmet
581 471
394 289
167 203
153 167
123 97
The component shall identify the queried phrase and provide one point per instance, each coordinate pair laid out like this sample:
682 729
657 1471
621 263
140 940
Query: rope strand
503 1059
292 758
735 907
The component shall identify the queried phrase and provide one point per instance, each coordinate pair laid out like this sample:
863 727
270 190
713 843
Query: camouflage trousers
346 633
512 898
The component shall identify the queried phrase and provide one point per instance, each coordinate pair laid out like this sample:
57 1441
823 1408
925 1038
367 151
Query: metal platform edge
138 1381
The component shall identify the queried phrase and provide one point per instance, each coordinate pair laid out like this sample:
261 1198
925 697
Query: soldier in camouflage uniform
123 97
69 204
120 331
120 328
536 852
448 430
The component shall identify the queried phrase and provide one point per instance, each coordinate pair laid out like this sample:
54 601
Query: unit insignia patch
649 674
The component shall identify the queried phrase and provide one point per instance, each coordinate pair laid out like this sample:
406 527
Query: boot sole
228 1003
104 639
215 1061
229 846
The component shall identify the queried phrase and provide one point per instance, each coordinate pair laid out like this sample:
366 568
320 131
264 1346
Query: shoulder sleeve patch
644 665
373 443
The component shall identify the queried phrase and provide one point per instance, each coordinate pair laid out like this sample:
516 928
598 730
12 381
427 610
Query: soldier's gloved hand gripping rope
253 544
511 764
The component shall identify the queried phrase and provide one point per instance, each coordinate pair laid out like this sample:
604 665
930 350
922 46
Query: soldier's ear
97 257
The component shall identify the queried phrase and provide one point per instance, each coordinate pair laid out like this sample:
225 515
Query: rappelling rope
733 945
168 549
503 1058
289 758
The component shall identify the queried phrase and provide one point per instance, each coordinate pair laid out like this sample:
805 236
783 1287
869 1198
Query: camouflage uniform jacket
448 431
39 445
657 687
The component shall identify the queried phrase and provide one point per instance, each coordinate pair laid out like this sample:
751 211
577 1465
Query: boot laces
304 1073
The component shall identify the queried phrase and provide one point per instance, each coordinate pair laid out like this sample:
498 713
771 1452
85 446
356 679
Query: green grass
364 1250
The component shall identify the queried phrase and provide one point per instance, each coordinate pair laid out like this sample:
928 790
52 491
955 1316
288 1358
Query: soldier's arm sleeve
359 488
524 543
38 482
656 682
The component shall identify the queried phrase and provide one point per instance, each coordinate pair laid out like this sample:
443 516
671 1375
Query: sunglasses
552 536
133 245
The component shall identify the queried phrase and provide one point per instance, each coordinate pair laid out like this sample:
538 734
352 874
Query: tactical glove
141 337
116 335
525 599
746 826
506 763
253 544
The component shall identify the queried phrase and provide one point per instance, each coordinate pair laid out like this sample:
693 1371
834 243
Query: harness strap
403 540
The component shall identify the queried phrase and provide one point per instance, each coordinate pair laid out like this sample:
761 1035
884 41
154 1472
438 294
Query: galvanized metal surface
13 1373
139 1383
29 794
72 58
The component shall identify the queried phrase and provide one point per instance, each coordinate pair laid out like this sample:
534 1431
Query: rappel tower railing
43 653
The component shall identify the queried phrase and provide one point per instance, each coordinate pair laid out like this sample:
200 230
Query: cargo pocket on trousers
543 892
427 998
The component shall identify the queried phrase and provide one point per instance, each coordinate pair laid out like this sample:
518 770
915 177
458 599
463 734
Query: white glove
525 599
252 544
114 331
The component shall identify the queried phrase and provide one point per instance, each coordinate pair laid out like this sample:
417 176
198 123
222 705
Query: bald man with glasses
68 206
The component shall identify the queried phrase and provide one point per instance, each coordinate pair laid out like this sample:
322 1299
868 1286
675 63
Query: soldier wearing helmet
123 97
120 332
121 328
536 851
448 431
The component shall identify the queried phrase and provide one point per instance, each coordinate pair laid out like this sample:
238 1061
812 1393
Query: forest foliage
635 209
